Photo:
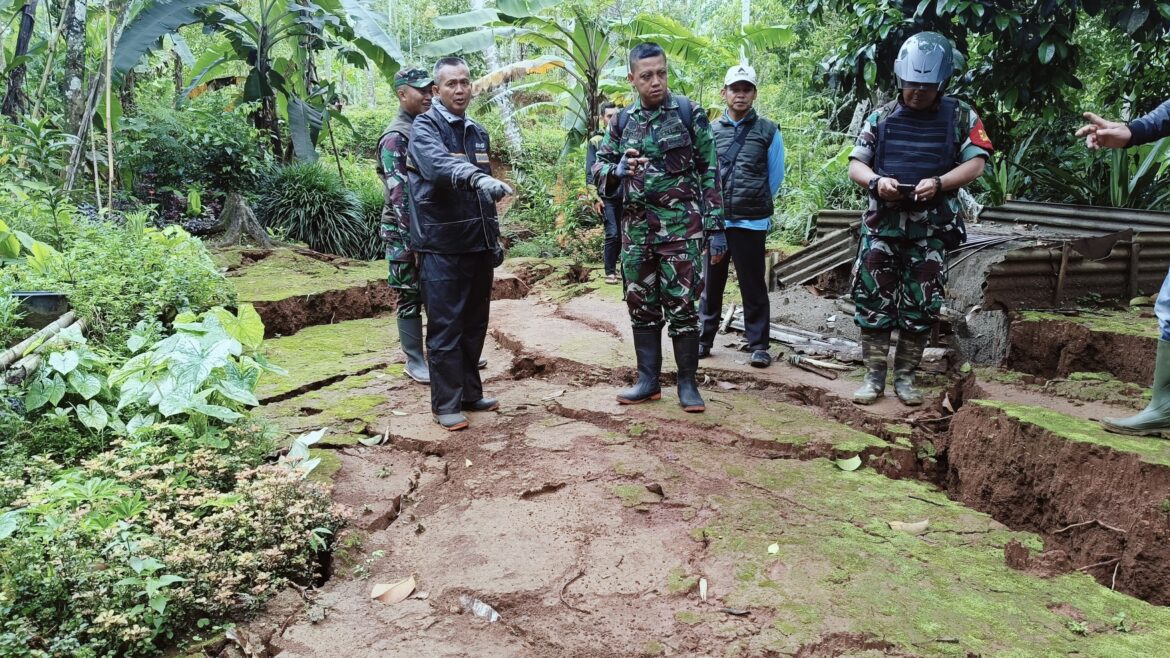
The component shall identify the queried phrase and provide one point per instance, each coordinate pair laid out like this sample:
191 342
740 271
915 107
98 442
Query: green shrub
209 142
115 276
363 179
368 126
308 203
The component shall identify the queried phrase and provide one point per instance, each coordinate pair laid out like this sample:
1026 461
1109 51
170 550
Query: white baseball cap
740 73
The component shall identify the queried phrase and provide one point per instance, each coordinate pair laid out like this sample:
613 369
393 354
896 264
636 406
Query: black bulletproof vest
914 145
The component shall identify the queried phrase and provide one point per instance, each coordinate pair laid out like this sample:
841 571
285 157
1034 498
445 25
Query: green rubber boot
1155 418
875 346
907 356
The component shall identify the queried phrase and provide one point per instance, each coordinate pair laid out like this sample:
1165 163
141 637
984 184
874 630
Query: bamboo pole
51 52
48 331
29 364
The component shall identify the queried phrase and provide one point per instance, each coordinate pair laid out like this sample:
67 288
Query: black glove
498 255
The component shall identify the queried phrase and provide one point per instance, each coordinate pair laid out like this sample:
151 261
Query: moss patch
330 464
286 273
678 582
748 416
317 353
633 495
841 568
1129 322
1150 450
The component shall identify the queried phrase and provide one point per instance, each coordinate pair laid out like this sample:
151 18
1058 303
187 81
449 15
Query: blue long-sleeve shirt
1151 127
775 178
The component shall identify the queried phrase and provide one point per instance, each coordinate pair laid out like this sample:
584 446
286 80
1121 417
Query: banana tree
285 87
587 50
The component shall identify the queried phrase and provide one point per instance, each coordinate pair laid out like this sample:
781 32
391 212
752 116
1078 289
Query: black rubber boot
648 349
875 348
410 336
686 355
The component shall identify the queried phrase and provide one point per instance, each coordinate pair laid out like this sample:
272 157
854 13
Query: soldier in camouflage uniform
414 88
659 157
913 155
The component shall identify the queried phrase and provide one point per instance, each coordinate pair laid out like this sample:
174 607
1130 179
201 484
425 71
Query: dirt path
595 529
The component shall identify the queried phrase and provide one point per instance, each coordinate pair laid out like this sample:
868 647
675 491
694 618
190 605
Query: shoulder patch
979 136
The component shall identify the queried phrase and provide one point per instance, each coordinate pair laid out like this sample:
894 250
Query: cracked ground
594 529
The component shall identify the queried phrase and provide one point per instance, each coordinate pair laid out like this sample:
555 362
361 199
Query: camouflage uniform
395 228
667 210
900 274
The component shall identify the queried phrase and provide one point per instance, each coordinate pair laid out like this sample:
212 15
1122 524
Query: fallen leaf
728 386
370 441
553 396
393 592
479 608
773 549
851 464
397 413
946 403
467 463
703 589
916 528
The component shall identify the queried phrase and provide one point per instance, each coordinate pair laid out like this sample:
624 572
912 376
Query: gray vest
746 193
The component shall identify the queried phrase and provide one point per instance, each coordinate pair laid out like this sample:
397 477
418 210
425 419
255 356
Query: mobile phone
906 190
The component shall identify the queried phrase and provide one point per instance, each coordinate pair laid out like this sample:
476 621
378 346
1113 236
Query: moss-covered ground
317 353
286 273
1150 450
1129 321
1082 386
839 566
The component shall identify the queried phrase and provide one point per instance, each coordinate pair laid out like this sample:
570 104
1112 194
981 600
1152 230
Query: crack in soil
320 384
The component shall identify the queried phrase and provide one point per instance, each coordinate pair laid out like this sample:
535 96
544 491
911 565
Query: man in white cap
751 166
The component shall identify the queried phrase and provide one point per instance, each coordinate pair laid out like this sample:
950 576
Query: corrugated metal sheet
833 250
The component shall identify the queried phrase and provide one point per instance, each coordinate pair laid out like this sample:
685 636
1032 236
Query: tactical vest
401 126
914 145
746 192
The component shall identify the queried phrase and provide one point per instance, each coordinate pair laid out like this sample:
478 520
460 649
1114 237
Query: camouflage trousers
899 283
663 281
403 277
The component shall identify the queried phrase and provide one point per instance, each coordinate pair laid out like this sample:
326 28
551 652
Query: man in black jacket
457 236
1099 133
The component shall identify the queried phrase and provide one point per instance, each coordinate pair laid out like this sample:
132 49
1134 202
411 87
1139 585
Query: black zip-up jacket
1152 127
447 155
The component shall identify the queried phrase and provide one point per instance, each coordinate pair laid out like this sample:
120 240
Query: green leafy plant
1132 178
310 204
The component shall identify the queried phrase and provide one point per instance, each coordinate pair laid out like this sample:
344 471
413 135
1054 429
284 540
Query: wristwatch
873 184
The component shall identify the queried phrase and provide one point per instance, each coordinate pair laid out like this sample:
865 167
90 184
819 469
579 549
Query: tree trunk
14 100
237 220
126 93
73 78
178 72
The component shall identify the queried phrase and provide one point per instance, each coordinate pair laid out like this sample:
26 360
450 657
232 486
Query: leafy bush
117 555
209 143
308 203
368 126
115 276
362 178
173 521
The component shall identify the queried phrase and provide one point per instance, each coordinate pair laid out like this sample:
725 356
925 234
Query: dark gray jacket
447 154
1152 127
